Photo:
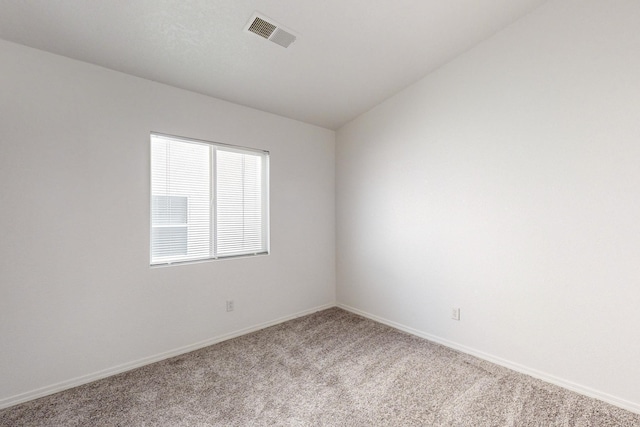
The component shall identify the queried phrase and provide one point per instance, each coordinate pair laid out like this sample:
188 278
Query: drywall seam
75 382
578 388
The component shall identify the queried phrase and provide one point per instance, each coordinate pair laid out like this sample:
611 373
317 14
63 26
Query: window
208 200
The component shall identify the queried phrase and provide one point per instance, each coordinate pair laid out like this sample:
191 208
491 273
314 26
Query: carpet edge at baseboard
88 378
561 382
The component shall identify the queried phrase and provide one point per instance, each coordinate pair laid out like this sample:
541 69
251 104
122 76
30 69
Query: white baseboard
587 391
84 379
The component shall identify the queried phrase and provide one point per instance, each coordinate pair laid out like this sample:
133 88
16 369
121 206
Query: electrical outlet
230 305
455 313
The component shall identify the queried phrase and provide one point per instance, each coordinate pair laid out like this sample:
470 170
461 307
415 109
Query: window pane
239 203
180 189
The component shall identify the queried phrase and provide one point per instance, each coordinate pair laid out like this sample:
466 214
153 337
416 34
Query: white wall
508 183
77 295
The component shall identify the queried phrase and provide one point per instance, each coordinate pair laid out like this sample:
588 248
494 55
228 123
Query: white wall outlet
455 313
230 305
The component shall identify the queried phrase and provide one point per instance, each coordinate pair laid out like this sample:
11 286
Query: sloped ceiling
349 56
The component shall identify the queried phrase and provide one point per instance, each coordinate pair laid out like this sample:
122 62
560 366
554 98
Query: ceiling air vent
266 28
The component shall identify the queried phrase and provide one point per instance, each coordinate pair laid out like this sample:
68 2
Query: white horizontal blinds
240 204
187 222
180 200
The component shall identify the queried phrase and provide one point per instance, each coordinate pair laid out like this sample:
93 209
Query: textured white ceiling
350 54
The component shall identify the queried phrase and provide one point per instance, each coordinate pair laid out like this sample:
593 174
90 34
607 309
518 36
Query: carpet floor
331 368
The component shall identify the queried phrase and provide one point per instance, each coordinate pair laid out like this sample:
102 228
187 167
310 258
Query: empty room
334 213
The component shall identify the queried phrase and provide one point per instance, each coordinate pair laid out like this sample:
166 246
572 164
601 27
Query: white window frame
213 149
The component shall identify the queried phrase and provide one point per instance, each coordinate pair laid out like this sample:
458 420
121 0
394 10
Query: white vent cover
268 29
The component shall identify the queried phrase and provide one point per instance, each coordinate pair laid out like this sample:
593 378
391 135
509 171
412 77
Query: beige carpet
330 368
